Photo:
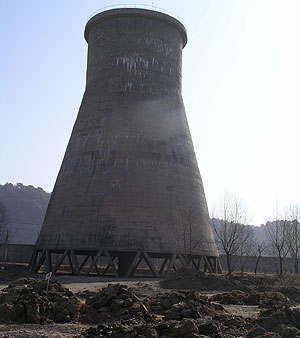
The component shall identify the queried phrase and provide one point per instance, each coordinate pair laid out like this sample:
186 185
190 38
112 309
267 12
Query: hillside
26 207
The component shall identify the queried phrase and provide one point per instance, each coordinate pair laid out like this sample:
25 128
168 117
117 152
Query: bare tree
245 249
3 220
293 234
230 228
186 230
258 248
3 229
277 233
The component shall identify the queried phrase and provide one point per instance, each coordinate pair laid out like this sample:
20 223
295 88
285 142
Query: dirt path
76 284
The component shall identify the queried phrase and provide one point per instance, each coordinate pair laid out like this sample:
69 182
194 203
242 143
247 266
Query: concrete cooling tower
129 188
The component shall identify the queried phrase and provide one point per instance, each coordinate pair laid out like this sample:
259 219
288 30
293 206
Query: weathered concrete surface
129 179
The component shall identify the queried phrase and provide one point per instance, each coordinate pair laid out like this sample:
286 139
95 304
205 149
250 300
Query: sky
241 90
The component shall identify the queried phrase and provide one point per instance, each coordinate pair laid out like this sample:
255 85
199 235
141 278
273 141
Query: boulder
185 328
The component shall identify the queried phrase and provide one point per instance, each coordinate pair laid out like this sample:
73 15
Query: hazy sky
241 89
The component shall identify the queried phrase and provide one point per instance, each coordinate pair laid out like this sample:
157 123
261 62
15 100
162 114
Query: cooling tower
129 187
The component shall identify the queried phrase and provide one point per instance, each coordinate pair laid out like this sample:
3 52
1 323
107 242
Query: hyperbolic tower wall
129 186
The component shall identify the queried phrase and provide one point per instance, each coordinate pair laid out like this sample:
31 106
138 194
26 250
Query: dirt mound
10 272
27 300
261 299
196 280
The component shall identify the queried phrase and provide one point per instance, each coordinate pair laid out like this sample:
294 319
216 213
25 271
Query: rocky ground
188 304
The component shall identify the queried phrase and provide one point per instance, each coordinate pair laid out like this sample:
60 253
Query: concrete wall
16 253
266 264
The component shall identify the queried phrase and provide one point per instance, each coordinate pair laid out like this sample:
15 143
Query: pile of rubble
173 314
190 314
183 304
179 314
120 301
283 320
279 317
152 329
117 301
30 300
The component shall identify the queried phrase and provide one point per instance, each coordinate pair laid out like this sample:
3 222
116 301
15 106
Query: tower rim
123 12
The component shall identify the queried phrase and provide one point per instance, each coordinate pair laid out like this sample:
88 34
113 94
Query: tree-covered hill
25 207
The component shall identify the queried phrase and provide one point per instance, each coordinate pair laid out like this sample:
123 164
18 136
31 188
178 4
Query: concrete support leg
111 263
40 261
163 266
182 261
121 264
94 263
83 262
33 259
128 264
207 265
219 266
48 261
151 266
60 260
75 262
171 265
